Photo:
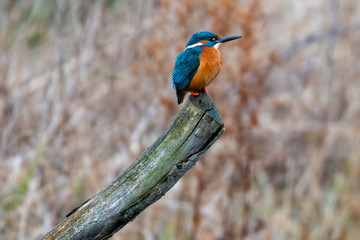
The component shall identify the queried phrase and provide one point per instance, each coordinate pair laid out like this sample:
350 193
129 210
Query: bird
198 64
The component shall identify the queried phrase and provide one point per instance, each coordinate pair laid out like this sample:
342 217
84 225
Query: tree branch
154 172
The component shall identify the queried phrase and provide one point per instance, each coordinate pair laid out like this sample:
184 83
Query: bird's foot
194 93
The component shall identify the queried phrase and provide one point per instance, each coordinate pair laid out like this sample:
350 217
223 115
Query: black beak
227 39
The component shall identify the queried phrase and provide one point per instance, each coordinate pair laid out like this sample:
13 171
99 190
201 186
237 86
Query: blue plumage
204 35
186 66
188 62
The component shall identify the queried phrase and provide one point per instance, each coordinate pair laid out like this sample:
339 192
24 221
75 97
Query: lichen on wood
152 174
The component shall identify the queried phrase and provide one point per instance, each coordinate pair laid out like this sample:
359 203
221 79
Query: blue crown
204 35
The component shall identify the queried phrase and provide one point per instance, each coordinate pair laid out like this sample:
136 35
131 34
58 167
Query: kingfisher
199 64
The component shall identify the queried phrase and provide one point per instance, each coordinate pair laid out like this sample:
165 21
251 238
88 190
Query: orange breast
210 65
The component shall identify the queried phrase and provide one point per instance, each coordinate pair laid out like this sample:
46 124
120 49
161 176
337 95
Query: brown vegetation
85 88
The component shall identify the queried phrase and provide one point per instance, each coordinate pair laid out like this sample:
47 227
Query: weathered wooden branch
155 171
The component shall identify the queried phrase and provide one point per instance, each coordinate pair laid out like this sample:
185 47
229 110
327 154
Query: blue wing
186 65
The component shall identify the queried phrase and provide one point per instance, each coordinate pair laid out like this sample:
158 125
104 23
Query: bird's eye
213 39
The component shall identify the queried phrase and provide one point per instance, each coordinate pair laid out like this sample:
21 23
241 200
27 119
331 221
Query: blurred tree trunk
155 171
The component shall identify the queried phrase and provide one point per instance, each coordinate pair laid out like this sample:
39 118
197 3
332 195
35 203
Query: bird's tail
180 96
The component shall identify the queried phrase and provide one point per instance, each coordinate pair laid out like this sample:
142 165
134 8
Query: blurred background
85 88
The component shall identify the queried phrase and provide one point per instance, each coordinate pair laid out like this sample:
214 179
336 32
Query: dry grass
85 88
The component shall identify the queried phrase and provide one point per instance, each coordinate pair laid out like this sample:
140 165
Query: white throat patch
194 45
216 46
